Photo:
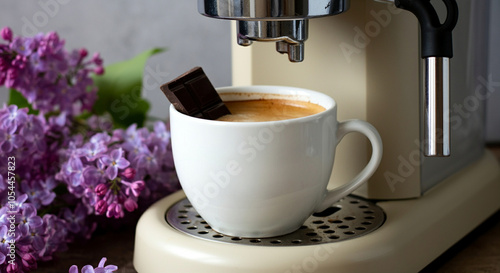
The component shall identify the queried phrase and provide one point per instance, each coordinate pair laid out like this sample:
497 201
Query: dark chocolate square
193 94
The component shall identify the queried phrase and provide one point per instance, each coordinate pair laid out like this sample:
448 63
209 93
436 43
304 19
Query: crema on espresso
269 110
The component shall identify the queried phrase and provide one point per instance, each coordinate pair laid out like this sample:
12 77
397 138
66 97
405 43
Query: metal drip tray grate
349 218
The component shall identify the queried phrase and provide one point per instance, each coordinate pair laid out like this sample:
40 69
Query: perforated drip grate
349 218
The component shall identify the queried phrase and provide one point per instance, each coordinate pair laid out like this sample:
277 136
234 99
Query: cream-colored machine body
367 59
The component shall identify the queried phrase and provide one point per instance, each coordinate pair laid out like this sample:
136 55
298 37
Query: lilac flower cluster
50 78
26 237
99 269
69 172
26 137
32 142
105 173
108 172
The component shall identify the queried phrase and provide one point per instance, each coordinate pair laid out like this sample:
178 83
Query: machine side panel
393 99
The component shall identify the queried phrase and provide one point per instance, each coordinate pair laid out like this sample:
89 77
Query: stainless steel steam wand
436 50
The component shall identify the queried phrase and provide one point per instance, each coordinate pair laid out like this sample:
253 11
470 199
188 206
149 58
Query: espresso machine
417 71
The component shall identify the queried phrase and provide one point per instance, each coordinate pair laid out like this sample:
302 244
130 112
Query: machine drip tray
349 218
411 233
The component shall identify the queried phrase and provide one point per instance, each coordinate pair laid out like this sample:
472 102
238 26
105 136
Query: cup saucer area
349 218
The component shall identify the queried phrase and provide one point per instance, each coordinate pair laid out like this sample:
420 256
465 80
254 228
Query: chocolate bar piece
193 94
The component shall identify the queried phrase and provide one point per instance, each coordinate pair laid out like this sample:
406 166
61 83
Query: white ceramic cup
264 179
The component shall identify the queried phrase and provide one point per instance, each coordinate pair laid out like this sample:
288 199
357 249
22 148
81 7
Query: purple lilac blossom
29 219
6 34
112 175
13 117
32 238
9 140
39 192
114 161
49 77
99 269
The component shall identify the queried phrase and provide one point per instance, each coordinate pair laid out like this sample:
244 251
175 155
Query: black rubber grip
436 38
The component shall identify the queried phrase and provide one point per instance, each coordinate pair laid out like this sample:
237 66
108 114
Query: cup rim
271 90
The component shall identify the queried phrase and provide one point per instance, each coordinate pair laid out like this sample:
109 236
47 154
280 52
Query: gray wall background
121 29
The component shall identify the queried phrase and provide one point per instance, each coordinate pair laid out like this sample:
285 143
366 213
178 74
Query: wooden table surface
479 252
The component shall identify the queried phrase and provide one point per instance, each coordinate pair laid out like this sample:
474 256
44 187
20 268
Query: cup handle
372 134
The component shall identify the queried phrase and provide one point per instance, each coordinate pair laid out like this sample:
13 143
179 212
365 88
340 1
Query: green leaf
15 97
120 90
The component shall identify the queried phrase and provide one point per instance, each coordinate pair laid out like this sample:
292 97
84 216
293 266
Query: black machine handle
436 37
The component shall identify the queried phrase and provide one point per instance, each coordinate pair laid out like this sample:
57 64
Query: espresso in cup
269 110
